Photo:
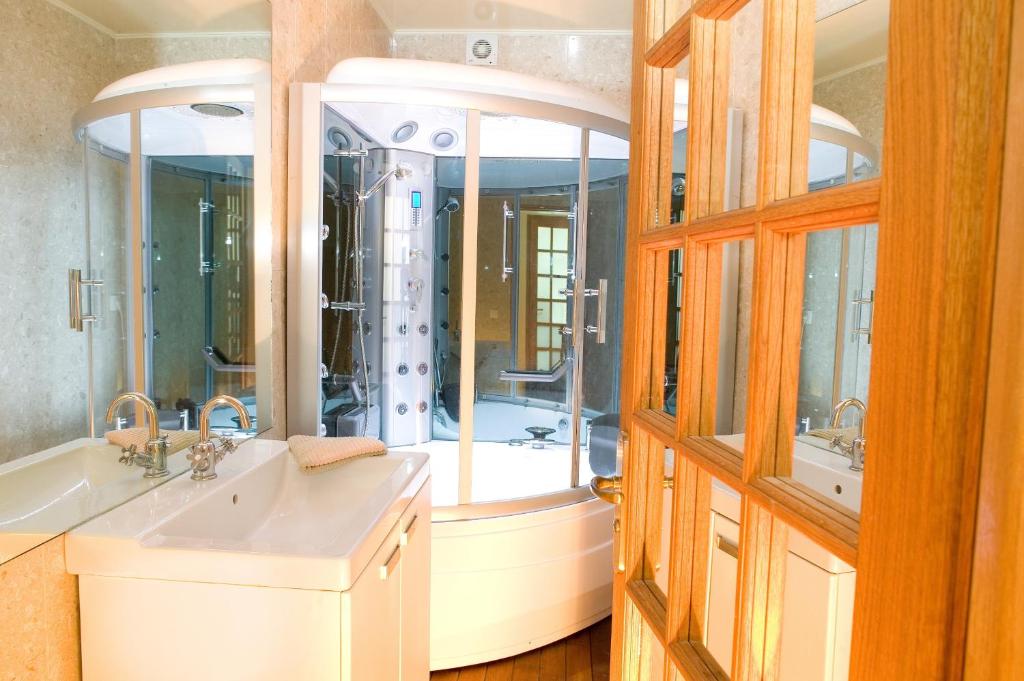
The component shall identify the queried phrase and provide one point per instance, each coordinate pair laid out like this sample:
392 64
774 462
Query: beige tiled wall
52 63
132 55
859 96
600 63
39 617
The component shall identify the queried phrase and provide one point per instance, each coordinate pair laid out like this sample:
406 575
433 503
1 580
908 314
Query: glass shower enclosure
462 272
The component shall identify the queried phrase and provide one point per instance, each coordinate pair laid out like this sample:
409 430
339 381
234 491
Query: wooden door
940 211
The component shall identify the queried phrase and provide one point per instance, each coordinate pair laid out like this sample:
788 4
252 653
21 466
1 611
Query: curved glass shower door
197 222
525 424
105 301
602 273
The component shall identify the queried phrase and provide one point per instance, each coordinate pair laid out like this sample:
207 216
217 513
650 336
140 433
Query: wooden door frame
940 209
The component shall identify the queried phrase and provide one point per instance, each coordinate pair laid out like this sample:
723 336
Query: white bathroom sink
823 471
827 473
261 522
49 492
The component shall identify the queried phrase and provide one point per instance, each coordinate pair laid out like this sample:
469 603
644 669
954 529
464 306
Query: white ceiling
127 17
853 37
851 33
506 15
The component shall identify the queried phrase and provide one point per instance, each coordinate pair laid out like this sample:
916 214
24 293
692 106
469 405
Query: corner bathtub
510 576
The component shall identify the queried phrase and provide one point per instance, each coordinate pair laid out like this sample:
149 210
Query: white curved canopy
179 130
211 72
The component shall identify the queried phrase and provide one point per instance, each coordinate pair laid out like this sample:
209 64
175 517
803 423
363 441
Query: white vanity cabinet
266 573
386 613
817 604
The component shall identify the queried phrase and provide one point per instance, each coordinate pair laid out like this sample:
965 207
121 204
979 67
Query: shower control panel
408 258
416 202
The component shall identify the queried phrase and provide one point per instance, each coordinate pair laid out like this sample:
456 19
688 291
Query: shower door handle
602 311
506 215
76 319
206 265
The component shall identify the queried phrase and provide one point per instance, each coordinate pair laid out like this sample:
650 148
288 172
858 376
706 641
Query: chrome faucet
855 450
205 455
155 457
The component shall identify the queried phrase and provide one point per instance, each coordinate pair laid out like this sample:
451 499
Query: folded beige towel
321 453
176 439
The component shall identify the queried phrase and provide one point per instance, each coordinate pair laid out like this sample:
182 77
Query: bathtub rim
484 510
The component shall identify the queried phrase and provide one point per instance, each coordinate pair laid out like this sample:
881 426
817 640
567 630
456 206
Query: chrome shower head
450 206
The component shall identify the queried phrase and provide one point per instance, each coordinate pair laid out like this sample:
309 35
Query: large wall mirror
135 186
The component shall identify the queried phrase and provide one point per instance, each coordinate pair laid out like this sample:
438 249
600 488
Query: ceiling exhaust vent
482 49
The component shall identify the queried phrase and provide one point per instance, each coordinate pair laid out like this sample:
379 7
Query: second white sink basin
48 493
262 522
823 471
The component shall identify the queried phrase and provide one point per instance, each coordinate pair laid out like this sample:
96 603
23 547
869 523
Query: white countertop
261 522
47 493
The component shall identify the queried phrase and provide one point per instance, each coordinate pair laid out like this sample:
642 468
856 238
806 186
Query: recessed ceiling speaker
217 110
482 49
404 132
339 138
444 139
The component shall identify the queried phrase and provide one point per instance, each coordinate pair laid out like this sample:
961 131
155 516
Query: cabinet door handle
727 547
409 530
392 562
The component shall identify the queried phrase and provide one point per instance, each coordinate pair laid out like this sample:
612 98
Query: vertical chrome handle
506 215
859 328
602 311
408 532
76 319
206 265
390 564
75 299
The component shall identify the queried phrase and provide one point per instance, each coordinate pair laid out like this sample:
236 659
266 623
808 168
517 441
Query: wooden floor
581 657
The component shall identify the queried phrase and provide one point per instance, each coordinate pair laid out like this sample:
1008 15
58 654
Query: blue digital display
417 200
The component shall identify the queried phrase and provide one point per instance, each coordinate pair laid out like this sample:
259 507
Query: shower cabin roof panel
212 72
468 81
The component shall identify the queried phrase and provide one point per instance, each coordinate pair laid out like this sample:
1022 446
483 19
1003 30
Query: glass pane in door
526 255
108 224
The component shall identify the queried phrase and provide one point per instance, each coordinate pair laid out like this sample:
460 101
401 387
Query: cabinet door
372 618
817 618
415 540
723 567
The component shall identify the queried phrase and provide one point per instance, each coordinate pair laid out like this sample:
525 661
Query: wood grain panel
995 639
942 174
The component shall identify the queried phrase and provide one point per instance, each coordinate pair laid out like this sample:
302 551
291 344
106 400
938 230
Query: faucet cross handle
205 455
128 455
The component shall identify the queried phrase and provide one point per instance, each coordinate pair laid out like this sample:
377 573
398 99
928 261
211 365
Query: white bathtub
509 576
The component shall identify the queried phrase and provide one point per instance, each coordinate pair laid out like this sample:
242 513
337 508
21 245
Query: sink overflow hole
839 489
234 498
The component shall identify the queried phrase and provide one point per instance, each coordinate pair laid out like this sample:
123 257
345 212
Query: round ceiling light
339 138
444 139
404 132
